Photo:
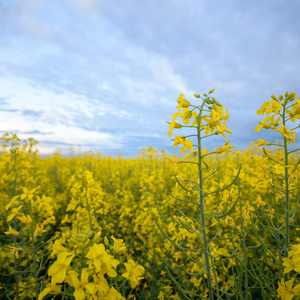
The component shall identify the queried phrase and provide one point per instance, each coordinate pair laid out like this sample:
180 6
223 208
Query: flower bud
292 96
286 94
280 97
197 95
211 91
274 98
215 107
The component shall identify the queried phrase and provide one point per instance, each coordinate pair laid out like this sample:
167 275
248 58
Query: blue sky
107 74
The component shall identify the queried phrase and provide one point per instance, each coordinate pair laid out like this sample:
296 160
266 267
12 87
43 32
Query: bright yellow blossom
225 148
79 285
133 273
50 289
11 231
286 291
263 143
173 125
59 268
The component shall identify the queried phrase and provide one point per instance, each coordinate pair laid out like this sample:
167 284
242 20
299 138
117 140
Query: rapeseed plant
87 226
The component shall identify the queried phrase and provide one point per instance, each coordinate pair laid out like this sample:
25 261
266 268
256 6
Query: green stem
287 198
201 208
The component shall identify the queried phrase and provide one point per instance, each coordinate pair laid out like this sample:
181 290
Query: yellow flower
11 231
14 212
57 248
113 294
286 291
187 144
103 262
221 129
79 293
272 123
27 220
50 289
263 143
187 115
28 193
292 264
182 102
39 230
58 269
133 273
119 245
15 250
173 125
225 148
295 112
287 134
178 140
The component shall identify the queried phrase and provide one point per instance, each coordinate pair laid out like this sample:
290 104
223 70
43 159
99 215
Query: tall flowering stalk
208 119
281 114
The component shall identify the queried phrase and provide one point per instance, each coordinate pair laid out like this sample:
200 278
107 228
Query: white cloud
56 134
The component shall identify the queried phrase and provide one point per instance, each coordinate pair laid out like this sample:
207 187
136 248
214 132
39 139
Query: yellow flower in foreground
263 143
11 231
133 273
79 293
225 148
113 294
102 261
292 264
58 270
286 291
187 144
50 289
58 248
173 125
182 102
288 134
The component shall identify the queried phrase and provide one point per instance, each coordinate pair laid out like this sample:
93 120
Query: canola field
206 225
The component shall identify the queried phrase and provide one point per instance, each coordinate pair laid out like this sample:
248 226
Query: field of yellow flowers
208 225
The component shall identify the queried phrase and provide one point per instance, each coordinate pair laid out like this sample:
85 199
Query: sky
105 75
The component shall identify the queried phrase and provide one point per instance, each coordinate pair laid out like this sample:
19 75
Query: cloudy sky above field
106 74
